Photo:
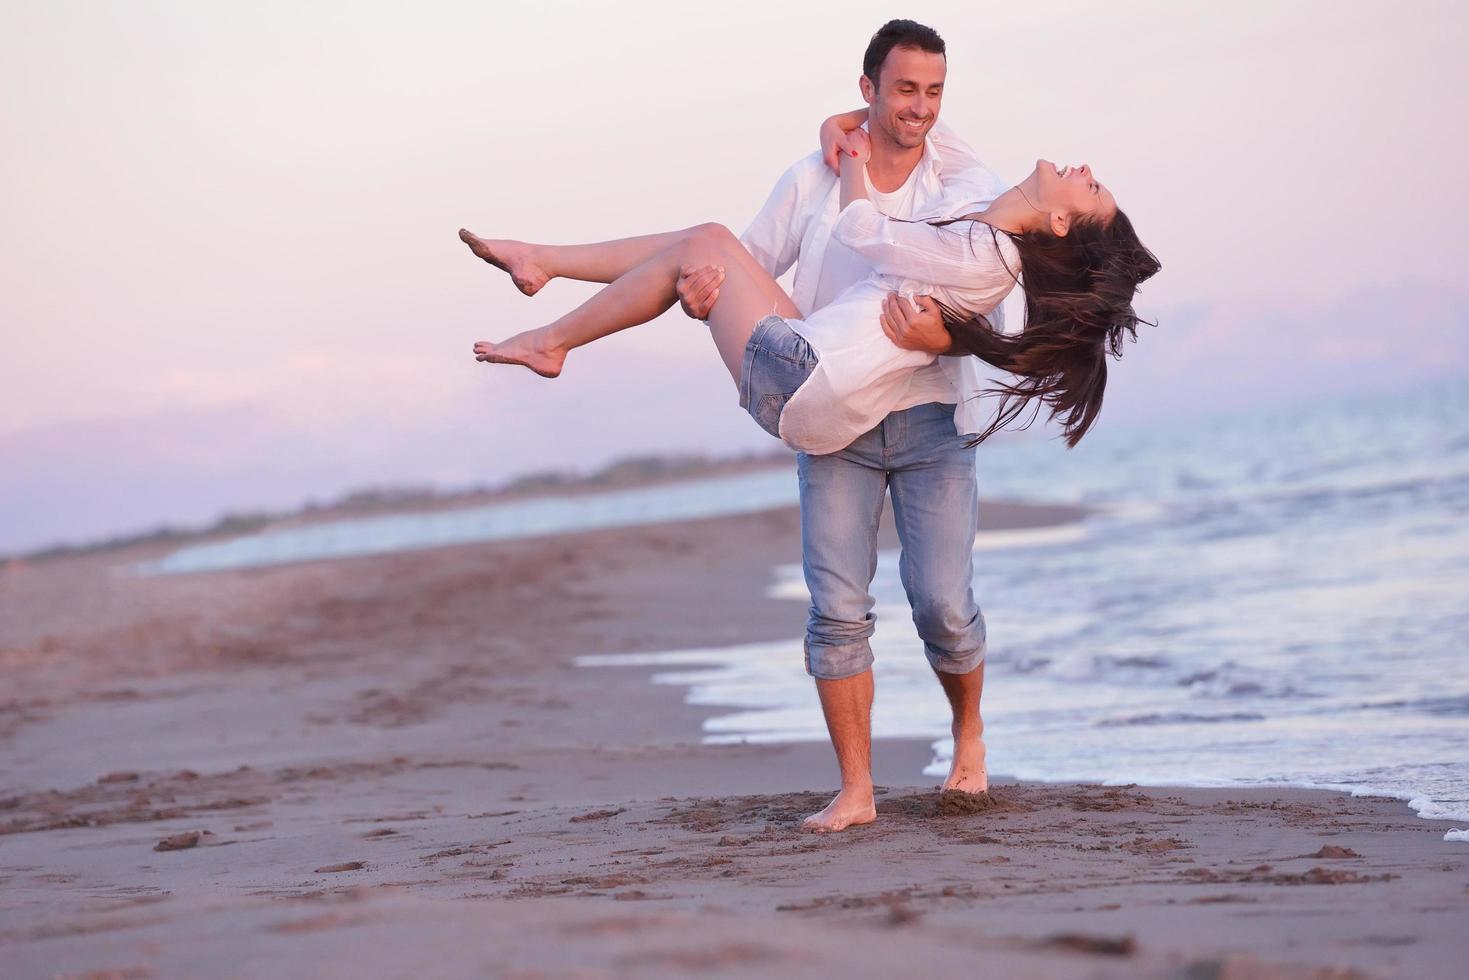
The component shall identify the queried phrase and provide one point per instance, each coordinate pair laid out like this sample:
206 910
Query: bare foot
527 349
848 808
516 258
967 772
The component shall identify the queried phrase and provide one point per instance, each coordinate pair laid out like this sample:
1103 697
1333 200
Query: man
917 452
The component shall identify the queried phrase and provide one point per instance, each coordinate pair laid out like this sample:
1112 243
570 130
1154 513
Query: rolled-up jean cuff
836 662
946 663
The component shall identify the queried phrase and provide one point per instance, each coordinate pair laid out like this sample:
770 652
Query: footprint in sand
347 866
958 802
186 840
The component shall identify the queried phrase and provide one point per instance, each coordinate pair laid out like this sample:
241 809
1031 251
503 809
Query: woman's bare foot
847 809
967 772
516 258
527 349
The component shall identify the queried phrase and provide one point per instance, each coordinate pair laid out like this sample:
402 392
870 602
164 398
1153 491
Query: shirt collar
931 158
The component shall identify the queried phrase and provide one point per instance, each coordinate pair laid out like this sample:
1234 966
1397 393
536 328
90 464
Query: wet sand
389 766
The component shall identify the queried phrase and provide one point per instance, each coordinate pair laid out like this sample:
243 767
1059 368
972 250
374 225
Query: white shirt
798 221
840 266
862 375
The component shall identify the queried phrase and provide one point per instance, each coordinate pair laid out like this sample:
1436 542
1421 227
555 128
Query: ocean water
1277 597
351 537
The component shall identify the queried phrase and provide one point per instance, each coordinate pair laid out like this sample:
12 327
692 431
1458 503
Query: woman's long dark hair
1078 308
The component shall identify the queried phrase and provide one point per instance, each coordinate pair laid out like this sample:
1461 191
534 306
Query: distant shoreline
621 474
626 474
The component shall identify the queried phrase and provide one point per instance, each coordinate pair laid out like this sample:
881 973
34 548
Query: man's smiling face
903 101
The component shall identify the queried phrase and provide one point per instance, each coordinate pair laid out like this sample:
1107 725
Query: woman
817 383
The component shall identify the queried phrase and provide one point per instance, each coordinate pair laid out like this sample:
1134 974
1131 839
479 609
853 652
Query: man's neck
891 165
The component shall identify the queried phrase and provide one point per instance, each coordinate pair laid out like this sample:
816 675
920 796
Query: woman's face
1067 193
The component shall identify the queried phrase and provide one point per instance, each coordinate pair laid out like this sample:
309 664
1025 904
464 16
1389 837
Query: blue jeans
919 455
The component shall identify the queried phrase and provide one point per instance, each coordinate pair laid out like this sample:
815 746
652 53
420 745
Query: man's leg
935 507
967 771
847 707
841 504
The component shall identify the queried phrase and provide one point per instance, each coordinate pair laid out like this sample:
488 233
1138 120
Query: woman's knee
708 242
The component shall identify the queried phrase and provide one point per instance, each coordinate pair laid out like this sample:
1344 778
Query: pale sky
231 278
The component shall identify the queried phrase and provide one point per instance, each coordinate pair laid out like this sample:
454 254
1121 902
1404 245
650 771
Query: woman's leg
748 294
531 266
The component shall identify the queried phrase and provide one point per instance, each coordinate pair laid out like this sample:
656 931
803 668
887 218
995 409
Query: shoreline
922 745
627 474
394 765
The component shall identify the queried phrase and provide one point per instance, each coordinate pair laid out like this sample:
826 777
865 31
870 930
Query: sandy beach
391 766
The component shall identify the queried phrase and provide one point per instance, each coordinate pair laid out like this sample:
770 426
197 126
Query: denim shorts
777 362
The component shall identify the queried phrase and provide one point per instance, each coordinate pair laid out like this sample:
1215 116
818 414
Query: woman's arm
961 255
834 135
854 169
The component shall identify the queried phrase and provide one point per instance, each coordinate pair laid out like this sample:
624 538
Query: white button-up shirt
863 376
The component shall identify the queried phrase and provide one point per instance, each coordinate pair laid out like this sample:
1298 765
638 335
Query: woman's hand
852 182
834 131
856 147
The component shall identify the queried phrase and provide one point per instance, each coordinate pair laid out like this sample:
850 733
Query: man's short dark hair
899 34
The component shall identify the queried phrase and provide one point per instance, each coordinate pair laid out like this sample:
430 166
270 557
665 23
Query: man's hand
919 329
698 288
